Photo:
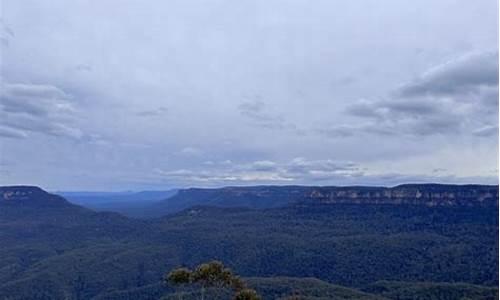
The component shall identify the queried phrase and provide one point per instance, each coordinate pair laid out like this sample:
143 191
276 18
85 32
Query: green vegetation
305 288
50 249
431 291
272 288
247 294
215 281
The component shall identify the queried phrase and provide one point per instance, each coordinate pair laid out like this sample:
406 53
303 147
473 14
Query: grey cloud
487 131
295 69
217 177
347 80
331 174
190 151
321 169
12 133
463 74
410 108
383 109
33 99
261 116
264 165
341 131
363 108
160 111
460 96
257 112
36 108
6 34
83 67
296 170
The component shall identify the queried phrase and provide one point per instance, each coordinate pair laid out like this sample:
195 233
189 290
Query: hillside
428 290
262 197
52 248
132 204
272 288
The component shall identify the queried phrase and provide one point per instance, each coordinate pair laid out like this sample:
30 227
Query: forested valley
304 247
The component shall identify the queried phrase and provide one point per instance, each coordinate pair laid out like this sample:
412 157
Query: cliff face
29 196
430 195
16 193
276 196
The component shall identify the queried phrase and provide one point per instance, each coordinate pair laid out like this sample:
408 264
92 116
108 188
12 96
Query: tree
237 283
214 277
247 294
179 277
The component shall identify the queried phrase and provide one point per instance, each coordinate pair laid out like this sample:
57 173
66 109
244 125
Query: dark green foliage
247 294
313 289
179 276
430 291
304 288
347 244
212 277
238 283
213 274
50 248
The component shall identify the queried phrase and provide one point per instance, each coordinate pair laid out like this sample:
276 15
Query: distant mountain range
133 204
360 242
275 196
156 204
98 198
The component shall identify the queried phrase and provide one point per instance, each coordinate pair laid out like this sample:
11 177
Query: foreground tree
247 294
179 277
213 277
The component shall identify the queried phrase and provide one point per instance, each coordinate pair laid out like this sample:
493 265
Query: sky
138 95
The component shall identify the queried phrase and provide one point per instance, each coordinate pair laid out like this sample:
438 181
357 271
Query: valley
53 249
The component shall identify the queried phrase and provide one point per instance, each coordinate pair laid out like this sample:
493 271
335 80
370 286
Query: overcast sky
131 95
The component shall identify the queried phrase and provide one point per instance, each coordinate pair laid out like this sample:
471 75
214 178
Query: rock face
414 194
16 193
29 195
276 196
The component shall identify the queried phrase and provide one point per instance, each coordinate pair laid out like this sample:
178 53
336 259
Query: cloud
83 67
316 170
12 133
257 112
190 151
341 131
212 177
462 75
36 108
208 68
346 80
6 34
486 131
263 165
457 97
159 111
296 170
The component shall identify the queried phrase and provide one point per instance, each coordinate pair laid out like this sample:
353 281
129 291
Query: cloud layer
156 96
457 97
296 170
34 108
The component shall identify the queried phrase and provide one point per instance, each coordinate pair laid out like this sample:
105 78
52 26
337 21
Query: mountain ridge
70 252
270 196
27 194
